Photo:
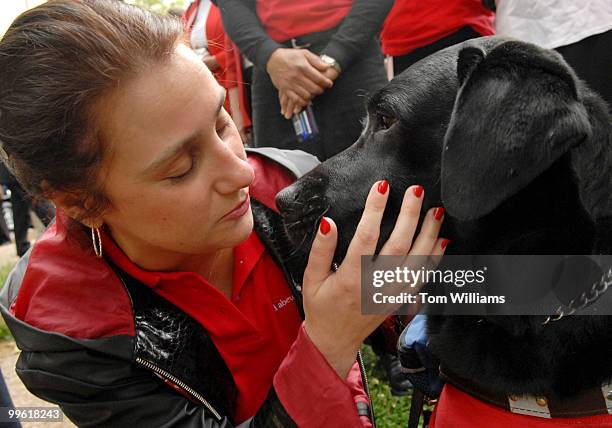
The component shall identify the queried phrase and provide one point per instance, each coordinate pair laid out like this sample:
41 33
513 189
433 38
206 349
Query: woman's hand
332 300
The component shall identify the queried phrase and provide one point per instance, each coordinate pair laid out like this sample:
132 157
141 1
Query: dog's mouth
302 205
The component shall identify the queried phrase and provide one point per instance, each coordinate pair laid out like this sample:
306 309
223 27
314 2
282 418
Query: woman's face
177 166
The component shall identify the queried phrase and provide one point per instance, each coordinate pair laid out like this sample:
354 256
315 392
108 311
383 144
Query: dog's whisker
300 245
292 224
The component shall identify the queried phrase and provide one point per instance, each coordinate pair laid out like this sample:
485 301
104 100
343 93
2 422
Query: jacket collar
247 254
63 273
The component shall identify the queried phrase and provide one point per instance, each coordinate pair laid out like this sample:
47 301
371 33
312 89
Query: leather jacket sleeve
95 390
313 393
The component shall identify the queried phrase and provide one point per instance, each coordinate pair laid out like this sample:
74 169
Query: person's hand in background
299 76
289 107
331 73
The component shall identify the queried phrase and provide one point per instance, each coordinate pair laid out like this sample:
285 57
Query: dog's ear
516 112
469 58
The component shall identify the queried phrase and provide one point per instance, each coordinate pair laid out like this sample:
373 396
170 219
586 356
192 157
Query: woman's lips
239 211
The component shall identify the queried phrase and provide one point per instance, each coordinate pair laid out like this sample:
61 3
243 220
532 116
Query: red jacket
229 73
215 36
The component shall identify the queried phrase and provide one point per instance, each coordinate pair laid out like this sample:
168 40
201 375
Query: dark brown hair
57 63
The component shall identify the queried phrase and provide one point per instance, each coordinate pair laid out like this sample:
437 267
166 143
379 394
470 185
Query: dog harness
591 402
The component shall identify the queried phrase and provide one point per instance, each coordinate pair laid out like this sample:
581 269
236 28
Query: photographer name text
426 298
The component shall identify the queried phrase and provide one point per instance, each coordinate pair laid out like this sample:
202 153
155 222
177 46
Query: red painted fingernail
324 226
438 213
444 243
383 186
418 191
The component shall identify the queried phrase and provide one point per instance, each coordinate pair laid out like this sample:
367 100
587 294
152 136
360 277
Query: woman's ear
76 207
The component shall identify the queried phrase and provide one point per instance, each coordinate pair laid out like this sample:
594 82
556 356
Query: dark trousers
338 112
5 401
5 234
591 59
400 63
21 204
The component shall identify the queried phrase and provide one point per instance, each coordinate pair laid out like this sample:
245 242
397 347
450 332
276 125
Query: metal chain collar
586 298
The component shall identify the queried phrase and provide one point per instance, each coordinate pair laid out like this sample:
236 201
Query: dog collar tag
529 405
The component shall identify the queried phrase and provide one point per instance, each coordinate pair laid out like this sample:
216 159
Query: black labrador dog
519 152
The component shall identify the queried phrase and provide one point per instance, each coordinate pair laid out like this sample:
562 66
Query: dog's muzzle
302 205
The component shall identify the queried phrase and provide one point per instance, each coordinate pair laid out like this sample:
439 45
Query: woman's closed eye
185 171
222 127
223 123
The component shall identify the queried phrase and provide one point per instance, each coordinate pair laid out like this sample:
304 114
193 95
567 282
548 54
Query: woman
151 301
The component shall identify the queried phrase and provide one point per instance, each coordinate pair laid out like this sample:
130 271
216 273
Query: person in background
21 205
581 31
320 51
416 29
208 39
6 403
5 233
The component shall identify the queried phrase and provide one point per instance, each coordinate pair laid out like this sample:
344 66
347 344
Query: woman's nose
235 172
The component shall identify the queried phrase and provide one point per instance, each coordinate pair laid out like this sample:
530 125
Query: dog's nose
286 198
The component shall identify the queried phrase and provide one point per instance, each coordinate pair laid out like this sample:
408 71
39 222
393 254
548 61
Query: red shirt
256 327
252 331
413 24
285 19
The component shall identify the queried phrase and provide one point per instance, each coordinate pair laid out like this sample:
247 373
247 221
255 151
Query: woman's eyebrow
174 150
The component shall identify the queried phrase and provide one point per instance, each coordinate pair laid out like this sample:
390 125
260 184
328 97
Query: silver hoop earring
96 241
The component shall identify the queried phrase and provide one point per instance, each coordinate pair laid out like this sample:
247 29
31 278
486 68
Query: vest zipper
165 375
364 376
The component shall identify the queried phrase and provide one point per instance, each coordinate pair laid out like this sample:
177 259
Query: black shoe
399 383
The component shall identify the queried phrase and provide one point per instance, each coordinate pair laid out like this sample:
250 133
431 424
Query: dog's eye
386 121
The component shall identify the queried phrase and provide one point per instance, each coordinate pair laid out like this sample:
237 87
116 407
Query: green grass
390 411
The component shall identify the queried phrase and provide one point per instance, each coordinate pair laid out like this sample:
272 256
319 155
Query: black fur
519 152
